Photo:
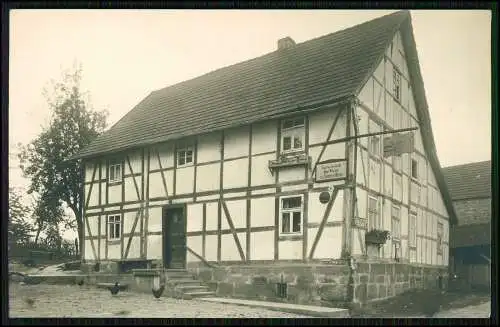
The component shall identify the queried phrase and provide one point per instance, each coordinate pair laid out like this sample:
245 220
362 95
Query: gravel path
473 311
75 301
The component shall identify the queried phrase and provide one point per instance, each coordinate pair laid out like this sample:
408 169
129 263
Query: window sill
114 241
290 236
185 165
114 183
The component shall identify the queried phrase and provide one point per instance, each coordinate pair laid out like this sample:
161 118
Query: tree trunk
81 235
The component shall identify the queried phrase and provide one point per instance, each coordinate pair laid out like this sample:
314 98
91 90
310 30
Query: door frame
165 235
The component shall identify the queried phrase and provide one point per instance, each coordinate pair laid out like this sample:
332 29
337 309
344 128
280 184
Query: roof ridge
397 13
469 164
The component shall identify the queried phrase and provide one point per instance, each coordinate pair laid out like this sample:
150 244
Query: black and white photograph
249 163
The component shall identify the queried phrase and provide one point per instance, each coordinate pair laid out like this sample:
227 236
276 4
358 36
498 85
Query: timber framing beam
326 214
233 230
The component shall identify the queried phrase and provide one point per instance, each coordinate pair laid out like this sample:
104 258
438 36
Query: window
440 238
291 215
115 172
414 168
374 219
396 84
375 145
184 156
396 227
413 230
114 227
292 134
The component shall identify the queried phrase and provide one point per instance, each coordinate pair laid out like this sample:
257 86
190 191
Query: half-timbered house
275 167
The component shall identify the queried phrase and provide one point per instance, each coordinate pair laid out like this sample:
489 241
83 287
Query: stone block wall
320 284
375 280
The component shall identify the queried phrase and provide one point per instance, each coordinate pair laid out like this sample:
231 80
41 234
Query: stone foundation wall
321 284
375 280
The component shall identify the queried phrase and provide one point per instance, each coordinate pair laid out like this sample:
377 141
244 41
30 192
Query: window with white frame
184 156
375 145
291 215
440 238
114 227
374 218
115 171
413 230
396 84
292 134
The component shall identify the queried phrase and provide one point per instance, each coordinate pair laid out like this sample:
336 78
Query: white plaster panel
264 137
155 247
236 173
366 93
262 245
115 193
212 216
208 177
237 210
195 243
194 217
262 211
135 248
130 190
236 142
330 244
208 147
184 180
292 174
260 170
155 220
229 250
211 248
290 250
320 124
114 251
89 255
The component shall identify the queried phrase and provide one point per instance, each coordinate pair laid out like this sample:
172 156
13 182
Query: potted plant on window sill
377 237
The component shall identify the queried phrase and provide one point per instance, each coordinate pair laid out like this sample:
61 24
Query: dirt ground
73 301
428 303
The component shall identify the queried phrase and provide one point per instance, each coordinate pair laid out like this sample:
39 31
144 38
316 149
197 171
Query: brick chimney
286 43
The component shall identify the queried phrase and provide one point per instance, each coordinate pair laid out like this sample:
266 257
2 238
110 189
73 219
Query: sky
126 54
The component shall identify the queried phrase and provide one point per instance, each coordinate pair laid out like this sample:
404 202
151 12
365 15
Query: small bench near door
127 265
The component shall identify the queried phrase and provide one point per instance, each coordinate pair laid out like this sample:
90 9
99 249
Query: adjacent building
263 169
470 239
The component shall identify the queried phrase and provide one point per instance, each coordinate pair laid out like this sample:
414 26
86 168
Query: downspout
350 217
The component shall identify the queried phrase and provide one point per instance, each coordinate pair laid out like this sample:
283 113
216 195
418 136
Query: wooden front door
174 237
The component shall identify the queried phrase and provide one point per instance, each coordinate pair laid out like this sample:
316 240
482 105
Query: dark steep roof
330 67
469 181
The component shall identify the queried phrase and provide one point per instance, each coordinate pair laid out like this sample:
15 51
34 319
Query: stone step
196 294
183 281
168 270
179 276
191 288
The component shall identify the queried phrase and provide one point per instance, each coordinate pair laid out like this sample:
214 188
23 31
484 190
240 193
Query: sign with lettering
328 171
360 222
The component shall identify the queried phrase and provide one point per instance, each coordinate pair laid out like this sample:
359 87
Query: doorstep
309 310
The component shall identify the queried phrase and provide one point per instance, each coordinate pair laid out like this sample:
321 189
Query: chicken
114 289
158 292
30 302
